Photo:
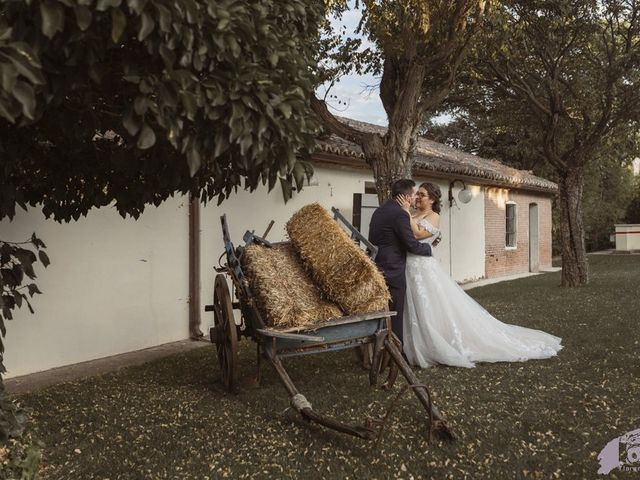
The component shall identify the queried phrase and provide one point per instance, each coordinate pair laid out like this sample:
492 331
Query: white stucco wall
117 285
463 227
113 286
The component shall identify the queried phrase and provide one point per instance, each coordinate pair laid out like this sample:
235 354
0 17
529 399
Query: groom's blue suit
390 231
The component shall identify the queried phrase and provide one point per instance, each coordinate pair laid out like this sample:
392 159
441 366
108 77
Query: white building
117 285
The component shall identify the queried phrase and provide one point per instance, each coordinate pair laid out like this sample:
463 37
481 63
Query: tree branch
335 126
516 82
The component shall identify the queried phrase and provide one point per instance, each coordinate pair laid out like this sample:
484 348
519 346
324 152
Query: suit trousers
397 305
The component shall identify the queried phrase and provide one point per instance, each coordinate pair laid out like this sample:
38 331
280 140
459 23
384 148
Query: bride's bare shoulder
434 219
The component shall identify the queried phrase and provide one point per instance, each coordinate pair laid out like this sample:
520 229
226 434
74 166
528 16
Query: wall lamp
464 195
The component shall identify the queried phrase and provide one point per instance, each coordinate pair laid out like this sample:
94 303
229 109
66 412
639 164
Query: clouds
358 100
358 94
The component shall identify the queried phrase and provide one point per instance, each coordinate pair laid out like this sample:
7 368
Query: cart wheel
226 333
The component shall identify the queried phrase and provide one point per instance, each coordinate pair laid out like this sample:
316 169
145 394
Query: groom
390 230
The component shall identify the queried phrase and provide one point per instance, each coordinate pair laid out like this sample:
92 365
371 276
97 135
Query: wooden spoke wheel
225 334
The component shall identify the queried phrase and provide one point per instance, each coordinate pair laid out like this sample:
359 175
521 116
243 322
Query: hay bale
339 267
285 294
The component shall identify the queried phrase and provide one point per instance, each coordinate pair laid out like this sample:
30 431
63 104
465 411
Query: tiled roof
441 159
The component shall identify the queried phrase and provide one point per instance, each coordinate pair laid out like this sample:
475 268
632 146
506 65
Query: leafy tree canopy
559 82
134 100
609 189
418 47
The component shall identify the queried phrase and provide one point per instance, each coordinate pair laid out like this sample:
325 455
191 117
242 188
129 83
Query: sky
361 103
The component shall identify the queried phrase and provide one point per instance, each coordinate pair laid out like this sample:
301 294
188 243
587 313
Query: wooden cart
371 330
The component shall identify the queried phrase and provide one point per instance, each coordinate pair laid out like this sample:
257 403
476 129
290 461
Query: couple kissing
436 321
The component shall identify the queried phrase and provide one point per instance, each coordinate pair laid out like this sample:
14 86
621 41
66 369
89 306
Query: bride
443 324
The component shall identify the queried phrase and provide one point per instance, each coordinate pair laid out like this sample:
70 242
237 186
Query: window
370 187
510 241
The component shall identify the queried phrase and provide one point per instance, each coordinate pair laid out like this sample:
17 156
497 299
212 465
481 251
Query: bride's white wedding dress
442 324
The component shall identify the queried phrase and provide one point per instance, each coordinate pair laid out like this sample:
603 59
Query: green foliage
499 133
558 81
421 46
568 71
135 100
12 418
16 280
608 191
132 101
20 458
552 79
418 48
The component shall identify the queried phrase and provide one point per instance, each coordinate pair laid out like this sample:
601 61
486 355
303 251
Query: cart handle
233 262
266 232
250 237
355 233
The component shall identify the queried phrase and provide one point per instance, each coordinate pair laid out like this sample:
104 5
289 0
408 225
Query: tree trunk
389 156
400 92
390 160
575 271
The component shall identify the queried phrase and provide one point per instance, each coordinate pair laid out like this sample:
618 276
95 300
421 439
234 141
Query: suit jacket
390 230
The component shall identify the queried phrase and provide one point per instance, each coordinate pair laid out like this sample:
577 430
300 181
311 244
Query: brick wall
500 260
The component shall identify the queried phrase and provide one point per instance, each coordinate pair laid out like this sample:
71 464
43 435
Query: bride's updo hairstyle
434 194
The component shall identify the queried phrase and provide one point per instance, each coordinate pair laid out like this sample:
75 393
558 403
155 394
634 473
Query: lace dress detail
442 324
435 232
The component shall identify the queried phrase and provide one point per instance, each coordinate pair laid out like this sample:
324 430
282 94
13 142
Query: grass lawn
540 419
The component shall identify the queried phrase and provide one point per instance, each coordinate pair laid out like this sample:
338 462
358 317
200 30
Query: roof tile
437 157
